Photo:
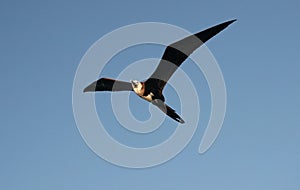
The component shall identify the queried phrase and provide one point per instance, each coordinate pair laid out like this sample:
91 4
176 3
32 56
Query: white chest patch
139 89
149 97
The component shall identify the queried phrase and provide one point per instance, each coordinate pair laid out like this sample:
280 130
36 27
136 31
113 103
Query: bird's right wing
106 84
176 53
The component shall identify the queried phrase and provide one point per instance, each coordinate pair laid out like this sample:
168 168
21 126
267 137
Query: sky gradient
42 44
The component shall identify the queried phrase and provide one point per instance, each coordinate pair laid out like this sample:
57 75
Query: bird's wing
167 110
106 84
176 53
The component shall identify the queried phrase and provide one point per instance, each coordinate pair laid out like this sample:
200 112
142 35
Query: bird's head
137 86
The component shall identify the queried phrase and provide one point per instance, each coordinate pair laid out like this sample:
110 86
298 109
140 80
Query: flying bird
151 89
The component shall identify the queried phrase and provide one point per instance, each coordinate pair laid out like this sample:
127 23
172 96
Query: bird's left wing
176 53
107 84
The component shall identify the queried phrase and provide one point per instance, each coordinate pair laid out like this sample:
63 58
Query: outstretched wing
167 110
106 84
176 53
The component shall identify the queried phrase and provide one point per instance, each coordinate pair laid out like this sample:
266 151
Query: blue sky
42 44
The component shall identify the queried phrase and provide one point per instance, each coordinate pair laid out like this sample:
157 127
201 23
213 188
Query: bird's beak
91 87
134 84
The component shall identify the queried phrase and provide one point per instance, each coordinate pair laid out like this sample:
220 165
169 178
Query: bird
151 89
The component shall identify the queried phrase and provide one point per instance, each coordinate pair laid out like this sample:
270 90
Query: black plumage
152 88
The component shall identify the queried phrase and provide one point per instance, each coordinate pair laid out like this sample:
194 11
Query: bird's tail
172 113
167 110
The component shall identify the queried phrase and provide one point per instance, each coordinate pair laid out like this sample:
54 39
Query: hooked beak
134 84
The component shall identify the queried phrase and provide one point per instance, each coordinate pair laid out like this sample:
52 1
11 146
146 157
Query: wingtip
86 90
231 21
90 88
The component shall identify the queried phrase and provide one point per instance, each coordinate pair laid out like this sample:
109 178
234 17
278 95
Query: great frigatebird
152 88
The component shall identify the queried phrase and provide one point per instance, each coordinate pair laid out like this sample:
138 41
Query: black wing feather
106 84
176 53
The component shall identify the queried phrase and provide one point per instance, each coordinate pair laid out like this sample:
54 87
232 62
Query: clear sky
42 43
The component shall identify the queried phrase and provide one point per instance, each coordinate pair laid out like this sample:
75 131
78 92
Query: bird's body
140 89
151 89
146 91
